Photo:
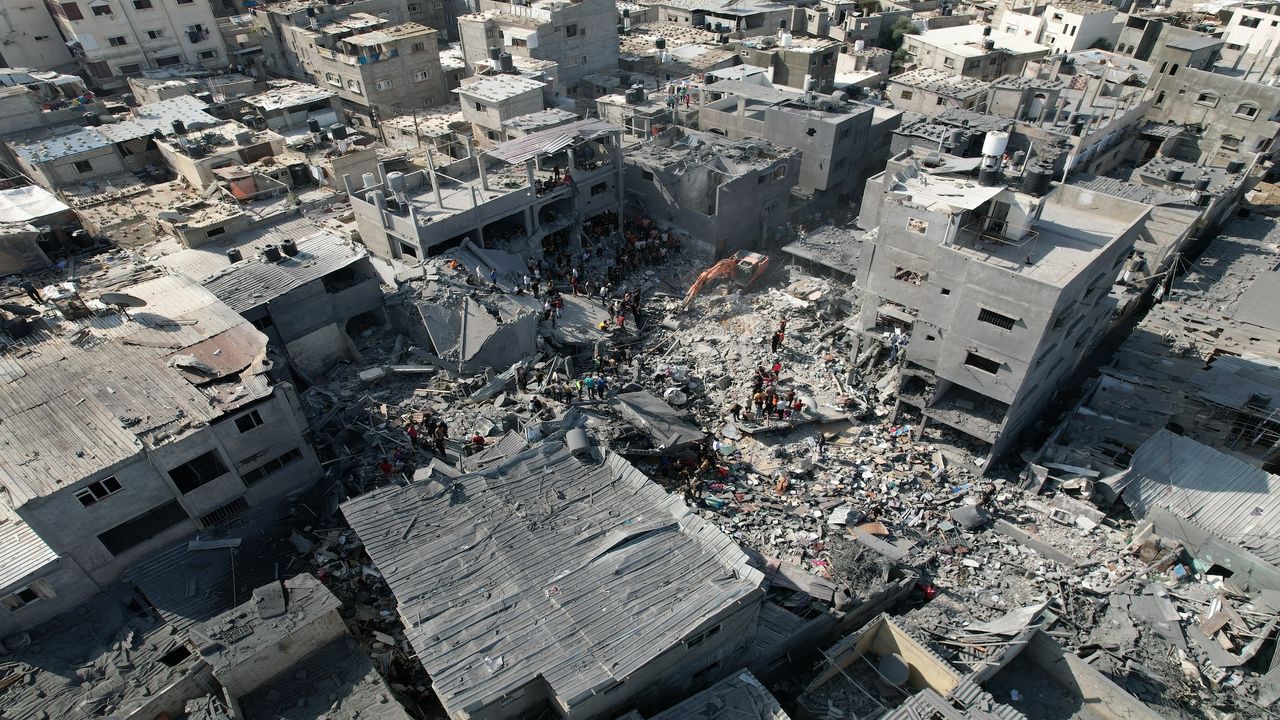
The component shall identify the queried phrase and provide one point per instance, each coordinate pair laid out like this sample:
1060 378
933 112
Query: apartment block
491 103
580 36
972 51
1229 119
376 67
1000 285
133 436
113 39
30 38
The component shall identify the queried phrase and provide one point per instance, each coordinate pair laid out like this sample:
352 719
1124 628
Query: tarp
25 204
651 415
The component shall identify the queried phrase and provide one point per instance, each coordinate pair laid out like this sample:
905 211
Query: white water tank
994 144
859 45
785 39
369 180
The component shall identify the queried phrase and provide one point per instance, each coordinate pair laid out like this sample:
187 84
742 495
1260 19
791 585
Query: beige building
377 68
972 50
113 39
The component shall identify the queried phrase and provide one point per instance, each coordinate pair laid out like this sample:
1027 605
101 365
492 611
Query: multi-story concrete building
1230 119
929 92
840 143
972 51
1063 25
30 38
580 36
797 62
377 68
1251 36
870 22
517 191
490 103
112 39
1001 292
271 41
132 437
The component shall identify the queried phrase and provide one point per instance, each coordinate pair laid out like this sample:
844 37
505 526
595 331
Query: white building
112 39
1065 26
1251 33
29 37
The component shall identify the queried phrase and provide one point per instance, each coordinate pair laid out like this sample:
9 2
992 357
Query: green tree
901 28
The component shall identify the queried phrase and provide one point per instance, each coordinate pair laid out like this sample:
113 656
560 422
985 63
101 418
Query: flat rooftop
467 571
968 41
942 83
287 94
389 34
498 88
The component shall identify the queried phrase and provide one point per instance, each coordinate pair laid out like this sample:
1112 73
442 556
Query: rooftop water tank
995 143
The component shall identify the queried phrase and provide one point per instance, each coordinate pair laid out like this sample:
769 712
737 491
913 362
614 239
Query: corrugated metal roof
549 141
252 282
737 697
24 553
1228 497
545 566
74 404
1231 381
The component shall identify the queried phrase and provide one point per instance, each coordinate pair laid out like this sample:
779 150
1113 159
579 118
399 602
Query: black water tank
338 131
989 44
989 176
1202 183
271 253
1173 175
507 63
179 127
92 119
289 247
1235 166
986 31
234 255
494 52
313 125
660 43
1203 199
1036 180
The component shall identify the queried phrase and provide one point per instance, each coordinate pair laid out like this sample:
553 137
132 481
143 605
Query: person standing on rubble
758 401
776 342
439 435
412 432
590 383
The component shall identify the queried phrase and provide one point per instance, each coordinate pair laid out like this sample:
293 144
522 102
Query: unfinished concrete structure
1002 293
840 143
727 195
580 37
222 438
425 212
639 547
798 62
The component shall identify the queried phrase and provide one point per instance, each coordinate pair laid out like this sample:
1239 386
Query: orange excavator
741 269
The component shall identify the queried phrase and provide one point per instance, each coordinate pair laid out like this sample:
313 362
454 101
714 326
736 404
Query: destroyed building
684 592
841 143
981 360
571 174
727 195
186 427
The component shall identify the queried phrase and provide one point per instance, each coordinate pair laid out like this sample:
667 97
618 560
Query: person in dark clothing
30 289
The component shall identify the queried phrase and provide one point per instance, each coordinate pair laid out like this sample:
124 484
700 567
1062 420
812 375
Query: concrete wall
20 251
52 174
30 39
593 49
1223 115
487 116
72 530
274 659
70 584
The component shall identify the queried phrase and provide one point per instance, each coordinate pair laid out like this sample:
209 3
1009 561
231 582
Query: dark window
142 528
946 291
171 60
702 636
702 676
480 107
984 364
83 166
207 54
270 466
263 322
991 316
130 69
155 34
340 279
198 471
407 249
95 491
248 421
101 10
599 188
232 508
215 232
117 41
71 11
571 30
142 4
648 175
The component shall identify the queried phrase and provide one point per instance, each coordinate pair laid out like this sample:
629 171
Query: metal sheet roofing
546 567
1233 381
252 282
81 397
59 146
24 553
738 697
550 141
1222 494
147 119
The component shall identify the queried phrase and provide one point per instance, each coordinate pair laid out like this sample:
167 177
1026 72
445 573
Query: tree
902 27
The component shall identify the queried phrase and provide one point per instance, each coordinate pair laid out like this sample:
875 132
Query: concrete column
615 153
575 229
528 165
530 221
484 175
435 182
742 109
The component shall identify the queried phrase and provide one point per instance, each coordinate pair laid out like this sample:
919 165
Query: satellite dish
22 310
123 300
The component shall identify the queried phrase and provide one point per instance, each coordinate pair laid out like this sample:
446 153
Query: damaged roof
550 141
1226 496
499 580
79 397
652 415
